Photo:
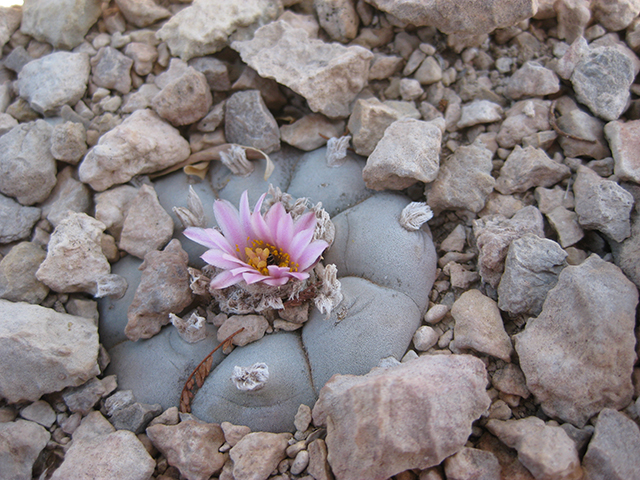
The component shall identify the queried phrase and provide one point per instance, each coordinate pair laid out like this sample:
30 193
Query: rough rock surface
368 122
249 122
576 364
52 350
471 463
18 282
258 454
69 195
20 444
623 138
16 221
367 440
185 100
529 167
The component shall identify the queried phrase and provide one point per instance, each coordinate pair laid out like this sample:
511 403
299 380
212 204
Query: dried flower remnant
235 159
255 248
250 379
414 215
193 214
337 150
191 329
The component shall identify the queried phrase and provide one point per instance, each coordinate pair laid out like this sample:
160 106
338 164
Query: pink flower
271 249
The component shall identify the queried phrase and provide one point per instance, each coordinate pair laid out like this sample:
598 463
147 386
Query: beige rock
18 282
142 13
112 207
184 100
527 168
472 463
311 131
523 119
254 326
234 433
69 195
368 122
338 18
22 441
319 467
69 142
624 140
258 454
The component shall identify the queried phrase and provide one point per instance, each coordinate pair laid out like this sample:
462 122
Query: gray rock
529 167
69 142
27 169
383 66
464 180
601 81
565 223
111 69
277 402
184 100
479 326
143 56
429 72
54 80
142 13
134 417
140 99
368 122
479 112
121 154
328 76
471 463
494 234
206 27
338 18
532 80
39 412
602 204
22 441
627 253
575 363
82 399
10 19
248 122
17 59
63 25
258 454
523 119
112 207
16 221
531 270
361 407
44 351
408 152
582 125
311 131
612 450
191 447
623 140
18 282
214 70
69 195
510 380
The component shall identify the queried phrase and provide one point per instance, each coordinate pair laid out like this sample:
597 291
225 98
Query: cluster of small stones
521 129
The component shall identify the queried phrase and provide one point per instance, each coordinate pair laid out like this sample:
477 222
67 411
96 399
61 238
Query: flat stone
575 378
349 406
368 122
529 167
10 18
184 100
383 66
142 13
63 25
310 67
523 119
408 152
16 221
254 326
624 141
464 180
39 412
18 282
611 453
532 80
480 112
53 350
565 223
311 131
111 69
121 154
69 195
206 27
258 454
531 270
602 204
479 326
22 441
471 462
134 417
27 169
582 125
249 122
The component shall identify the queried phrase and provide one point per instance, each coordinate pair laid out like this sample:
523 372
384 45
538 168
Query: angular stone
142 13
575 363
532 80
20 444
10 19
143 143
368 122
27 169
134 417
464 180
471 463
613 447
311 131
328 76
582 125
624 140
248 122
151 306
527 168
111 69
479 112
510 380
338 18
54 80
254 326
207 26
366 440
523 119
627 253
185 100
601 81
191 447
18 282
69 142
408 152
494 234
258 454
62 24
479 326
44 351
39 412
112 207
602 204
69 195
565 223
547 451
214 70
429 71
531 270
16 221
383 66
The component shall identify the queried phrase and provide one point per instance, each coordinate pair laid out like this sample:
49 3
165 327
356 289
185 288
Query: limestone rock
471 463
624 140
523 119
254 326
10 19
575 363
16 221
69 142
529 167
368 122
328 76
582 125
366 440
62 24
44 351
215 71
309 132
142 13
82 399
408 152
184 100
531 270
21 443
18 282
258 454
54 80
143 143
147 226
151 306
532 80
464 180
206 26
338 18
69 195
111 69
479 112
248 122
627 253
602 204
112 207
191 447
27 169
479 326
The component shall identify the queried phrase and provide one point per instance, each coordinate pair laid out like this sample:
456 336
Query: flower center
261 254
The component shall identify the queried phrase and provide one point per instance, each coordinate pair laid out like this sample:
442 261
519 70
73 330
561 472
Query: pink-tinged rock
371 420
20 444
185 100
258 454
547 451
471 463
523 119
624 140
578 355
527 168
191 447
151 306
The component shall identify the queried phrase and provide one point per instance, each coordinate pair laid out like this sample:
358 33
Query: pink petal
208 237
275 282
311 254
245 213
284 232
253 277
228 219
272 218
305 222
224 280
221 259
299 243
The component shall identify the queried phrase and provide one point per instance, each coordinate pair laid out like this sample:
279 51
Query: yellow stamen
260 255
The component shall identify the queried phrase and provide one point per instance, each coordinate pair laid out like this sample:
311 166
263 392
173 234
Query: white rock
142 13
338 18
425 338
532 80
16 221
22 442
478 112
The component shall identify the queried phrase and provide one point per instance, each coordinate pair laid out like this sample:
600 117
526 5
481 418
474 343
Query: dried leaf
198 169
